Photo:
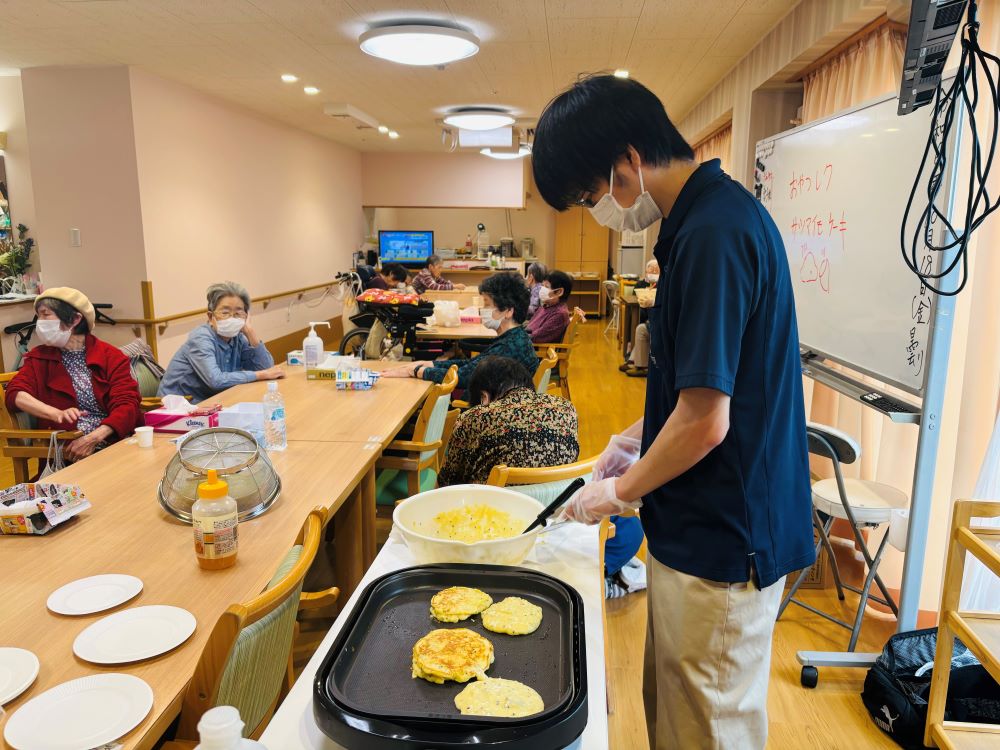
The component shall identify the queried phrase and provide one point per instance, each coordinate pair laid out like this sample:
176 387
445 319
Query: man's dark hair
395 272
433 260
509 292
497 376
561 280
586 129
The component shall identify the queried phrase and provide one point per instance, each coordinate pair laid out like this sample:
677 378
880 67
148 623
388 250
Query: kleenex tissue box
170 420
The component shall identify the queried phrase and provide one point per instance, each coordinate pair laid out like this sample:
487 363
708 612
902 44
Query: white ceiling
531 49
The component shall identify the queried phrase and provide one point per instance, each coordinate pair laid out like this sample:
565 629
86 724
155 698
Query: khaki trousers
640 346
707 661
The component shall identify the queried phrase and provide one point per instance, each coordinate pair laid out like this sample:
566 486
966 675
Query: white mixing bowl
415 520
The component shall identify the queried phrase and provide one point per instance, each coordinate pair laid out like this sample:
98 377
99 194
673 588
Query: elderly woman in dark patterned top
510 424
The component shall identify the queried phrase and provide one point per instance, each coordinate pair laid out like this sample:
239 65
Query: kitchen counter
569 554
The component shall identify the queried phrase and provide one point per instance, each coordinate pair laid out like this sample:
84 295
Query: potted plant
15 258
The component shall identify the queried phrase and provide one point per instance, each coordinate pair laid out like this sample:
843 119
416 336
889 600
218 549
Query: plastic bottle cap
220 727
272 386
213 487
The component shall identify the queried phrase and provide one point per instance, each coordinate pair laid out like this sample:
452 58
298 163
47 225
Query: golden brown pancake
457 654
458 603
514 616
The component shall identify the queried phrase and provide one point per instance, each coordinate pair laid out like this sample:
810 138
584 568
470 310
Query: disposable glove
620 454
594 501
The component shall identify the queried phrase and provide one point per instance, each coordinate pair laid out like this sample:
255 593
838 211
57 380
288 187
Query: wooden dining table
462 331
335 437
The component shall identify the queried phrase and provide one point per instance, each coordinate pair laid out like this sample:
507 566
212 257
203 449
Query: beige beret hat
73 297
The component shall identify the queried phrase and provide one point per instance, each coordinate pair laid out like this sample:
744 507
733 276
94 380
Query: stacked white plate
134 634
94 594
18 669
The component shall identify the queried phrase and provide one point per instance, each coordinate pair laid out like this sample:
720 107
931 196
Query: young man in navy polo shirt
723 477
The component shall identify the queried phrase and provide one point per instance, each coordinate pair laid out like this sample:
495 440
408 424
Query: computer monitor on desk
409 248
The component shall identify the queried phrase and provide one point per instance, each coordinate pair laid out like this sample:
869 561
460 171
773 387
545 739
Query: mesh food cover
236 456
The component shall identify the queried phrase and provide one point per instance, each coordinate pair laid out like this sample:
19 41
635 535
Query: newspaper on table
38 507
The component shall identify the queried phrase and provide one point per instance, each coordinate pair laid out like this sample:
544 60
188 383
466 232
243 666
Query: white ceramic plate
86 712
18 669
134 634
95 594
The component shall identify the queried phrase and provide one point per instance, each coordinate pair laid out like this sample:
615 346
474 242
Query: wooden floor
830 717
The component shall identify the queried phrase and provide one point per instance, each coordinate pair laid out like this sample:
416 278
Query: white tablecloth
569 554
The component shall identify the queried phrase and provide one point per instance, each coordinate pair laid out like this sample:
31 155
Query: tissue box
169 420
327 369
298 357
38 507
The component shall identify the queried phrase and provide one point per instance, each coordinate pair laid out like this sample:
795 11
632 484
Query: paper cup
145 436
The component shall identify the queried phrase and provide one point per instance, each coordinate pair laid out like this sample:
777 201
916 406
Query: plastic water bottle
221 728
275 436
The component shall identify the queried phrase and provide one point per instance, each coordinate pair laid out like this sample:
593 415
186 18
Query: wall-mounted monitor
409 248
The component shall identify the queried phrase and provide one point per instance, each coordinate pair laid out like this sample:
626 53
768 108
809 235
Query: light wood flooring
830 717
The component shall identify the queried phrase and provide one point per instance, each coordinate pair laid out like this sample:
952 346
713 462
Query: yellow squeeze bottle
214 518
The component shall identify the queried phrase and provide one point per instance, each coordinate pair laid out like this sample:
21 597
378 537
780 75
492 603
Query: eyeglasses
225 313
584 201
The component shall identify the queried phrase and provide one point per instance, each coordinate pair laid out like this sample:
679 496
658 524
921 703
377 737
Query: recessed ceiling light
393 134
289 78
419 44
383 129
311 90
621 73
522 151
478 118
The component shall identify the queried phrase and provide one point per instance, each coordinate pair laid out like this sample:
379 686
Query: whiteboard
837 190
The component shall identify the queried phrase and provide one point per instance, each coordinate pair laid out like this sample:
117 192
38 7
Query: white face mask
544 294
609 213
230 326
51 333
489 321
652 278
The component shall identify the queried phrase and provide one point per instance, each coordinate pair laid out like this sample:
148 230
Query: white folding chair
611 290
862 504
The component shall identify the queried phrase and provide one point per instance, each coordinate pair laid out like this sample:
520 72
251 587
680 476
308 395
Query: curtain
719 145
866 70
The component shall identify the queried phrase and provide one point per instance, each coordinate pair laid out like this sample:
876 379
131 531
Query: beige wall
441 180
452 225
229 195
83 169
16 159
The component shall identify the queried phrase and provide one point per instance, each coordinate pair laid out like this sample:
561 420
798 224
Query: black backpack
898 685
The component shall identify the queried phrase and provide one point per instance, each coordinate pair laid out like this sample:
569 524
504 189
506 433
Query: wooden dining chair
408 467
543 375
563 350
246 659
545 485
21 441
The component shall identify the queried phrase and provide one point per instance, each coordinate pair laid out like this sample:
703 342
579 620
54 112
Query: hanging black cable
964 93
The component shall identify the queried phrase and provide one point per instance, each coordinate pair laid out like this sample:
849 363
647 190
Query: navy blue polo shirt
724 318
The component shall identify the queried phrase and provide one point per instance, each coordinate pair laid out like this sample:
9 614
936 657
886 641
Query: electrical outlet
74 238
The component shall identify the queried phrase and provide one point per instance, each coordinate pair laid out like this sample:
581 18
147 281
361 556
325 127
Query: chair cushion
391 485
871 502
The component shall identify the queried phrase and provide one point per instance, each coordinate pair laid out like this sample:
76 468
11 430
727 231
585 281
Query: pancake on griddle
458 603
513 616
458 654
495 696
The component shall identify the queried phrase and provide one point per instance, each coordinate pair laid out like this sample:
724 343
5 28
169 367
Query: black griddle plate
364 689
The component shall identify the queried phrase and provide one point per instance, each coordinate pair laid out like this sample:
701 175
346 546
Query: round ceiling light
419 44
478 118
522 151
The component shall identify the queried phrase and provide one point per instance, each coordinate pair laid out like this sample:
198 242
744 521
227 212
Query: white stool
611 290
862 504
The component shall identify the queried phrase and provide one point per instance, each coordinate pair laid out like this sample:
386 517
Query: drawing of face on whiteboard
813 269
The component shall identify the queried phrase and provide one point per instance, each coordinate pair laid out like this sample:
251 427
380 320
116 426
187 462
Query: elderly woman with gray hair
537 273
223 352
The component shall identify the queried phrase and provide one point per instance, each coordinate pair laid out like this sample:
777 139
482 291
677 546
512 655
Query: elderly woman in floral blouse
510 424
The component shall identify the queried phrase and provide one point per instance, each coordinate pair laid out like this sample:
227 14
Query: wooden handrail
163 320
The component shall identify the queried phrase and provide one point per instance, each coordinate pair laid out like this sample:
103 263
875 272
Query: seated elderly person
637 364
390 276
552 319
430 278
73 380
506 299
223 352
509 424
537 272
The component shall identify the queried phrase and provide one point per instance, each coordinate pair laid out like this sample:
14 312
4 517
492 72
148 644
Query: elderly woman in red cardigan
74 381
